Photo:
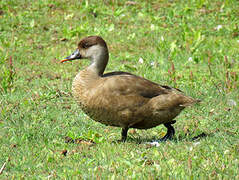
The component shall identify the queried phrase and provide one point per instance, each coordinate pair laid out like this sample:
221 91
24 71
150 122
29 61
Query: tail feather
189 101
185 100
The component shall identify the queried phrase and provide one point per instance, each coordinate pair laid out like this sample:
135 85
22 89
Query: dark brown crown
90 41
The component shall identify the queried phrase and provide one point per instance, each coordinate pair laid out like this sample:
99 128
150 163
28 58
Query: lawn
191 45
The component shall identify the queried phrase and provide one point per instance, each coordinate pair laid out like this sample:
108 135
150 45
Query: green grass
193 46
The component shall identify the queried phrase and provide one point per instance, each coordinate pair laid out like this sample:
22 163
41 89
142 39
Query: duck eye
85 46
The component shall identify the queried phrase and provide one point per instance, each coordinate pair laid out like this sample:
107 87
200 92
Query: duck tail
189 101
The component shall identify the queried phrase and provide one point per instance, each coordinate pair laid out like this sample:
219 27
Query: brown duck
122 99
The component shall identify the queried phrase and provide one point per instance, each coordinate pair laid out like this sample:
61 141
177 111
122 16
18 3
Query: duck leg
170 132
124 134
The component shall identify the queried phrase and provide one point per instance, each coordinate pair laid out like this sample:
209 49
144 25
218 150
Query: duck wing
125 84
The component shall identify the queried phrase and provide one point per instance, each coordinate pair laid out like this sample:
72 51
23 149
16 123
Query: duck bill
73 56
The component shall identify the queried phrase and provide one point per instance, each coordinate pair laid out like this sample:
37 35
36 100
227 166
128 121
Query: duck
122 99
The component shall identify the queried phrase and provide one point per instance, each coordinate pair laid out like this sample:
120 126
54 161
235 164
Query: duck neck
99 62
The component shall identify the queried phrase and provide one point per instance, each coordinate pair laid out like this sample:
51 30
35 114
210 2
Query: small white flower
141 61
152 27
238 40
112 27
131 36
155 143
190 59
157 166
196 143
231 102
152 63
226 152
219 27
69 16
191 148
162 38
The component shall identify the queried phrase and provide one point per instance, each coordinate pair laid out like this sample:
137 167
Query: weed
7 76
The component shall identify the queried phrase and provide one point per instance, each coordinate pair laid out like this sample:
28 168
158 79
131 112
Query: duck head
93 48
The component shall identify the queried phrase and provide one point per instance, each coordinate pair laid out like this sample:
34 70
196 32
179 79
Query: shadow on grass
140 140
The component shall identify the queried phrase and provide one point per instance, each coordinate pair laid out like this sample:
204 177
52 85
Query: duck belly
109 116
139 118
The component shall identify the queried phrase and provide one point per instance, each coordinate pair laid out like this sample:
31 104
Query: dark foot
124 134
170 132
